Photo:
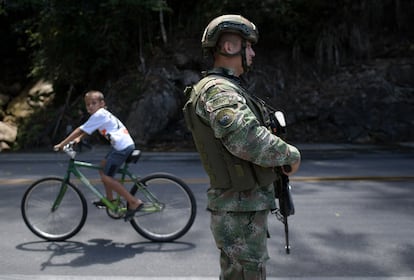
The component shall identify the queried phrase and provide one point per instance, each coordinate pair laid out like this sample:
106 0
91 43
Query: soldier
237 150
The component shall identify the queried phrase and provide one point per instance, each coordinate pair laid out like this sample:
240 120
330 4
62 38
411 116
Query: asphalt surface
307 150
317 151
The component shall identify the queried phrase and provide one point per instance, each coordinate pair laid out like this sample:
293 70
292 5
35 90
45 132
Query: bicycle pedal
99 204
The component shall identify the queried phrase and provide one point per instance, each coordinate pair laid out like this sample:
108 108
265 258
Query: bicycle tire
178 213
60 224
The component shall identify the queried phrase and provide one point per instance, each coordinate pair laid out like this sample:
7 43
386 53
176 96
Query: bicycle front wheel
53 210
169 210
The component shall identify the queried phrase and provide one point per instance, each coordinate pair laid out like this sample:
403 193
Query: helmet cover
228 24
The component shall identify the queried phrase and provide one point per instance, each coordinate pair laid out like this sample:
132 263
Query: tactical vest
224 169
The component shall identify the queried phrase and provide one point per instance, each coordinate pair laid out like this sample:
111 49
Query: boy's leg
113 162
112 184
108 190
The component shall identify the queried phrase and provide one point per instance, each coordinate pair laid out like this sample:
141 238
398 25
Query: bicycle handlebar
68 149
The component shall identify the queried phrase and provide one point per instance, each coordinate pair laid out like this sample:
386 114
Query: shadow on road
96 251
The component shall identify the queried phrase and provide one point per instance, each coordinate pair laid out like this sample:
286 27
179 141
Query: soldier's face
249 54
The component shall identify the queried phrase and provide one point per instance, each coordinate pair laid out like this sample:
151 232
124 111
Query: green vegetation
84 43
80 45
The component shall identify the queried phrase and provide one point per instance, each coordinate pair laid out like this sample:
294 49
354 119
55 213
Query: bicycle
55 209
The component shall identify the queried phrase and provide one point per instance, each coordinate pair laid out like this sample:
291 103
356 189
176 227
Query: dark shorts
115 159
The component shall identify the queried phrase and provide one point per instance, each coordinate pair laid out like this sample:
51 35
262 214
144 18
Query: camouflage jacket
225 107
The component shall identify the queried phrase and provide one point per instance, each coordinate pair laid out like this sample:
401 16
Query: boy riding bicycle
122 146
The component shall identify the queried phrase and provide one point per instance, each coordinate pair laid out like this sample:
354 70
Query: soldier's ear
229 48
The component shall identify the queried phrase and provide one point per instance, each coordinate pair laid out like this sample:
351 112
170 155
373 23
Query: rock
8 132
4 146
402 74
36 96
150 115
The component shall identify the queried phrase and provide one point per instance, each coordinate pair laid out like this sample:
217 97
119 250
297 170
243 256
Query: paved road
354 220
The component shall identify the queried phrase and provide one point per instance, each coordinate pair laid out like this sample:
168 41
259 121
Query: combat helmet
228 24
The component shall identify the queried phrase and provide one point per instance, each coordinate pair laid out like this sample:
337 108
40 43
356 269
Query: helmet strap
246 68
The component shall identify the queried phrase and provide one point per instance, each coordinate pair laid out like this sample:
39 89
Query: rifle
281 185
277 125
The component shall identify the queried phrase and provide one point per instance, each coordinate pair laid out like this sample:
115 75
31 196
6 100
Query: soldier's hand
294 155
294 167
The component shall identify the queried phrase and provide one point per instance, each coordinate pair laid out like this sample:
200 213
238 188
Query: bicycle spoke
177 213
61 223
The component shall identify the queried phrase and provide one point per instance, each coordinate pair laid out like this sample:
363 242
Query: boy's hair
95 93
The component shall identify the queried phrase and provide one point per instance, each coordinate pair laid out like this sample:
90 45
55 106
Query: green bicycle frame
73 168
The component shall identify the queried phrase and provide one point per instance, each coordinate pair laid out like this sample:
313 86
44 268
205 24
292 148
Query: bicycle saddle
134 156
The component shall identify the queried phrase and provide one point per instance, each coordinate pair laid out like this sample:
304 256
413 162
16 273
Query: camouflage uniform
239 154
241 238
239 218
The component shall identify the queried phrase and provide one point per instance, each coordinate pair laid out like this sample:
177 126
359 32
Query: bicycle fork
61 194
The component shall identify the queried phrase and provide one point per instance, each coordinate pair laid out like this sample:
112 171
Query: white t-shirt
110 127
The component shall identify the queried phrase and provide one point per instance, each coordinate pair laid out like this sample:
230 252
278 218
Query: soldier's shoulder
214 84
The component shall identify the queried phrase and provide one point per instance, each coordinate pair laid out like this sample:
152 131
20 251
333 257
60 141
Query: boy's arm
76 136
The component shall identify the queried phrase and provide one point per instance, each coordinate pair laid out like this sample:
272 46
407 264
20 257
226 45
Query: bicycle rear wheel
169 210
53 210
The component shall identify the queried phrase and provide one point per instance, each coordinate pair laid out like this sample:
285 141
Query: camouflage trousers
241 238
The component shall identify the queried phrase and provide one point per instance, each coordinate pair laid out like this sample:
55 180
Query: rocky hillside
342 71
369 102
369 99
